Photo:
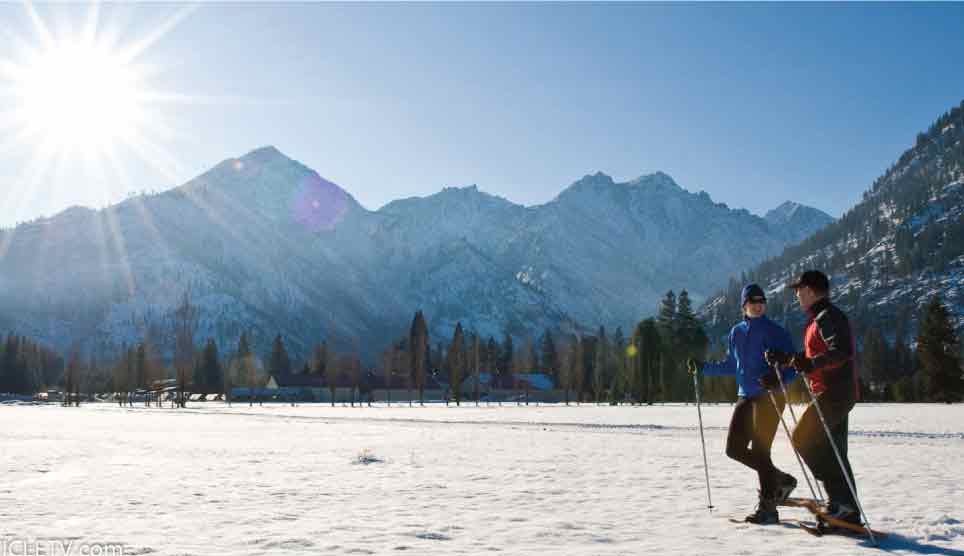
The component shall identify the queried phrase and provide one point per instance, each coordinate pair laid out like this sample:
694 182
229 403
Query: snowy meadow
212 479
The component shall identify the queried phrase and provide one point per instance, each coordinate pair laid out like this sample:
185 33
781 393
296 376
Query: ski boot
766 512
787 483
842 512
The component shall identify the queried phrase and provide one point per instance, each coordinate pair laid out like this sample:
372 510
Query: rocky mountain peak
656 179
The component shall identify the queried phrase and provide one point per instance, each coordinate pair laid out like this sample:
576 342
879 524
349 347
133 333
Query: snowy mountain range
800 220
889 254
264 244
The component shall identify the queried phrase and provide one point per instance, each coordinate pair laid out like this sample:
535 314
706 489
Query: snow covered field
514 480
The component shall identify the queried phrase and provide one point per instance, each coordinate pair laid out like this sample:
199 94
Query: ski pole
783 422
706 467
843 468
818 495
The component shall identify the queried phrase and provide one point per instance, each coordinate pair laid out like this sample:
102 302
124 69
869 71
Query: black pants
752 427
811 441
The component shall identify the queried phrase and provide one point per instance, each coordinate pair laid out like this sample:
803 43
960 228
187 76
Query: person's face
755 309
805 297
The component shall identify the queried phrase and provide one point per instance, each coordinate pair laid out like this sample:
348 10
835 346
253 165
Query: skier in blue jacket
755 419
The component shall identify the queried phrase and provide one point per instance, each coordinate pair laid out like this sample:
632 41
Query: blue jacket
744 357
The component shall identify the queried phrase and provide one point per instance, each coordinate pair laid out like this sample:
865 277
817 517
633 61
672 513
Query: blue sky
755 104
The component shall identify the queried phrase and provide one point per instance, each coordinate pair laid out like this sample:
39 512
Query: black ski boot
787 483
766 512
842 512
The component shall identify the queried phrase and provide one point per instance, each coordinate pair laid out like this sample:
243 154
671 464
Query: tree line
645 367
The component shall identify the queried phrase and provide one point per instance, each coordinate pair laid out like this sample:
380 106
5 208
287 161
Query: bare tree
601 365
578 376
186 318
228 380
571 367
119 377
331 370
356 372
389 356
476 347
72 378
250 369
565 358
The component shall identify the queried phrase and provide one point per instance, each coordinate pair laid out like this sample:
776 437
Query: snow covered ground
514 480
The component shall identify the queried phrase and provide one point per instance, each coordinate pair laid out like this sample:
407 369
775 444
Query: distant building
295 386
281 381
488 382
536 381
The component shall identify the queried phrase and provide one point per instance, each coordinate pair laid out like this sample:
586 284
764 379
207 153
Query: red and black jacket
829 344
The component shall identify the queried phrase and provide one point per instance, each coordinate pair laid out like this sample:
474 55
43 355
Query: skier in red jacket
829 366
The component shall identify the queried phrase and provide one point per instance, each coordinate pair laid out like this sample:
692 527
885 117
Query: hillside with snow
263 244
798 220
889 254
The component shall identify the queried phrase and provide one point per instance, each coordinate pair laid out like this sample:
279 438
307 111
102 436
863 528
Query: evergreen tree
667 323
937 350
666 317
550 360
506 356
876 357
456 360
691 342
211 372
418 342
646 362
279 363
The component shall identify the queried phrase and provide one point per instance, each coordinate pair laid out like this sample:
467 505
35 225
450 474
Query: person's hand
694 365
770 381
777 357
801 363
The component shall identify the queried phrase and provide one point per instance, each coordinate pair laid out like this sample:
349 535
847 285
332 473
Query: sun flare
76 95
73 93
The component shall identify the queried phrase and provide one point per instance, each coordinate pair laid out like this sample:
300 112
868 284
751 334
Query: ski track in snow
593 480
640 428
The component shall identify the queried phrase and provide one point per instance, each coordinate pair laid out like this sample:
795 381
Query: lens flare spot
238 165
631 351
318 204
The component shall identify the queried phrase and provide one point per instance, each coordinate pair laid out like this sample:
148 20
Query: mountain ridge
886 256
264 244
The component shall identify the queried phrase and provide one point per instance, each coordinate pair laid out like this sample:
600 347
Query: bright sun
76 95
74 92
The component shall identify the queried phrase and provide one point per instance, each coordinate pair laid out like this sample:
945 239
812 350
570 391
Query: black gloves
770 381
778 358
801 363
694 365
